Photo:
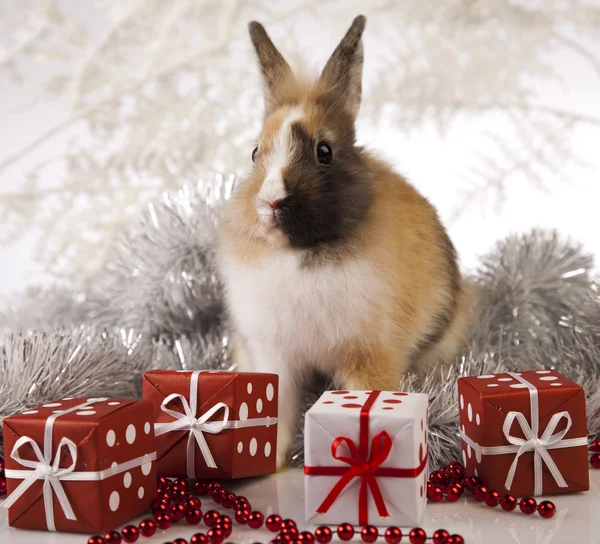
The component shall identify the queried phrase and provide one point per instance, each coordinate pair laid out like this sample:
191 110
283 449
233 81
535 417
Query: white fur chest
299 315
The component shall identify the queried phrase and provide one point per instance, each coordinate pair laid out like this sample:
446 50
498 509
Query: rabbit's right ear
276 73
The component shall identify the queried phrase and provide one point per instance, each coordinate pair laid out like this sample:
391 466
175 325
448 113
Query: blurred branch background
489 106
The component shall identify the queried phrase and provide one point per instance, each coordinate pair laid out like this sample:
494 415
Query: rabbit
331 262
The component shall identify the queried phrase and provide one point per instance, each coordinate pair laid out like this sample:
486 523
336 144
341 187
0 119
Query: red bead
457 473
273 523
193 516
323 534
193 503
440 536
369 534
216 495
2 487
227 529
417 536
255 520
595 460
472 482
177 512
307 536
528 505
211 518
182 483
200 488
164 521
114 537
480 493
215 536
455 539
241 515
180 541
393 535
453 493
180 495
96 539
214 485
241 499
229 500
224 519
546 509
199 538
287 523
595 446
492 498
290 531
508 503
345 532
2 464
286 537
436 477
161 508
148 527
435 494
130 533
163 482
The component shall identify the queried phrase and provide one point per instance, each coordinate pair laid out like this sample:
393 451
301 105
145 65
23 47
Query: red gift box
211 424
525 433
77 465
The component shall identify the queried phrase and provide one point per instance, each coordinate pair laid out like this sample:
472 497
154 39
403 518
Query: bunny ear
342 74
276 72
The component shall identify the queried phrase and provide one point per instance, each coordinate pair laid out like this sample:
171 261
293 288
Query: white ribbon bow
538 445
51 473
195 426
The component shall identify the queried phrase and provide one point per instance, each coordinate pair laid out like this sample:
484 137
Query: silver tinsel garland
157 304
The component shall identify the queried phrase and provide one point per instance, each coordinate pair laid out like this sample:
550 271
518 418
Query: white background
435 164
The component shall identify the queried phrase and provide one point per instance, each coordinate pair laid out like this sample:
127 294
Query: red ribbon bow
363 465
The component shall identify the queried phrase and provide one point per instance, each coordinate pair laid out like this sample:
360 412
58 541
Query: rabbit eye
254 154
324 153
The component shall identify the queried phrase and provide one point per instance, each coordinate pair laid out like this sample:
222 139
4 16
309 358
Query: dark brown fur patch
326 202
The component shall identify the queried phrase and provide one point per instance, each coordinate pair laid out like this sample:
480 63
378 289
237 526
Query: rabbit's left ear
342 74
276 72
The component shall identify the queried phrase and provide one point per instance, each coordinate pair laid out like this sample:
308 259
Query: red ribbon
363 465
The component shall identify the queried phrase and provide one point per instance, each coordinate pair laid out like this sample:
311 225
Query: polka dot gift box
212 424
79 465
524 433
366 458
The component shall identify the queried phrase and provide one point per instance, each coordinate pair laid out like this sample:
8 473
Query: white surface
576 522
337 414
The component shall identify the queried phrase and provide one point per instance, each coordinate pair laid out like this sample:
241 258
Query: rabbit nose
274 204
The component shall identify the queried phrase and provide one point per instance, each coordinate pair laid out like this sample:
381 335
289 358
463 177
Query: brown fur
355 207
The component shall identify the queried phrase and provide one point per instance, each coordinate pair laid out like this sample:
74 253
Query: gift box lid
504 393
79 426
338 413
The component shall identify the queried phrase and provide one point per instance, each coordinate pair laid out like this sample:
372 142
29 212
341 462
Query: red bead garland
595 460
173 498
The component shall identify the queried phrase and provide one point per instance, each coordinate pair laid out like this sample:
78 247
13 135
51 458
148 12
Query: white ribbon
549 440
197 426
49 470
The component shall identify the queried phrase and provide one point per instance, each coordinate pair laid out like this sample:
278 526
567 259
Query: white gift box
366 458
